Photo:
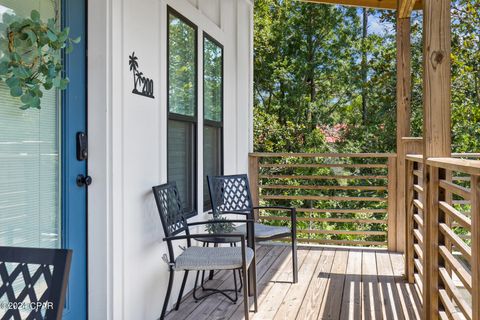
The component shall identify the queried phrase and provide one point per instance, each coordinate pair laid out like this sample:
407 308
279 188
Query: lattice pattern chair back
170 209
230 193
33 282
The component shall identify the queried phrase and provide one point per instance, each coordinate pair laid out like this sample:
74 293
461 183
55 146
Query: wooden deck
334 283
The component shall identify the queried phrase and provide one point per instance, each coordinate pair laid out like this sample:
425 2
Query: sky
374 24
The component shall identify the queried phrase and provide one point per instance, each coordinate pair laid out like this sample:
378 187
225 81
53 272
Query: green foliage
31 60
222 227
182 67
309 76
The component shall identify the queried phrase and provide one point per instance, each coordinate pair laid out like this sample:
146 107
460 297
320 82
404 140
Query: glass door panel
30 214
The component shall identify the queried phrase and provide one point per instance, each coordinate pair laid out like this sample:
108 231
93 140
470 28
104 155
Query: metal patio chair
33 282
196 258
231 195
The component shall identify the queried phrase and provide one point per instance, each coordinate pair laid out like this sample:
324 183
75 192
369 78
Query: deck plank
352 291
312 301
334 283
331 308
371 303
410 303
271 301
391 306
291 304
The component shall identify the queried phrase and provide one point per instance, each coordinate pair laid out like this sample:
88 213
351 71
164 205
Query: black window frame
210 123
171 116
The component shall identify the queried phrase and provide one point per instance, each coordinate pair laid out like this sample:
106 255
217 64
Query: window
182 106
213 112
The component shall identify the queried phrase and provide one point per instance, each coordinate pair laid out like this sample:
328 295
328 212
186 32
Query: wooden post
430 262
253 169
437 78
409 250
436 130
475 186
404 80
392 204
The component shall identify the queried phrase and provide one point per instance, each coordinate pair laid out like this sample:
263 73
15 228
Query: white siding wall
127 136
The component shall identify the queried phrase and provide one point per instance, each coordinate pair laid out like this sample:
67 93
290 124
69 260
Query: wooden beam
405 8
404 81
373 4
436 133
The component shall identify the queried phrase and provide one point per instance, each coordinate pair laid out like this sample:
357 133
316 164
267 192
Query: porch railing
443 234
341 199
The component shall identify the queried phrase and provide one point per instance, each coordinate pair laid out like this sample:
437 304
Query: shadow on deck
334 283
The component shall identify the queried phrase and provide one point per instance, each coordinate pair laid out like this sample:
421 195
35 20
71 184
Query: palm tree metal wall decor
141 85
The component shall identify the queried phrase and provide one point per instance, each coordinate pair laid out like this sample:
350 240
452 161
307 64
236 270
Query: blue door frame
74 198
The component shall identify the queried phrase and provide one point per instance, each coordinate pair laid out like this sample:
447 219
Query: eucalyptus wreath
30 56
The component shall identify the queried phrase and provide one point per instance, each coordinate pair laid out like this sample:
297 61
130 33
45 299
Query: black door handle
84 180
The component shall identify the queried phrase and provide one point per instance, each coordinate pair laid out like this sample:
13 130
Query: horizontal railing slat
314 187
315 177
321 198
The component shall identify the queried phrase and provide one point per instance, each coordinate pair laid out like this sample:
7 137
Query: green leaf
4 68
31 35
52 36
63 84
16 91
35 15
48 85
22 72
56 82
77 40
26 98
35 102
13 82
15 56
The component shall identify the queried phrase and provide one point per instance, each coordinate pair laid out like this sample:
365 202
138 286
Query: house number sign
141 85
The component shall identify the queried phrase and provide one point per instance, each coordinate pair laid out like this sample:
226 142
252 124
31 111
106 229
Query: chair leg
254 284
245 292
240 277
167 297
182 288
294 259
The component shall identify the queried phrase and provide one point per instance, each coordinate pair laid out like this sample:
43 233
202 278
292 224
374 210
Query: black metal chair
231 195
34 282
196 258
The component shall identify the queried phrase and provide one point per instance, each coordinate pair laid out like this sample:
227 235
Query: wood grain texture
374 4
404 81
475 212
395 223
437 78
253 167
430 258
331 286
321 155
409 250
405 8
